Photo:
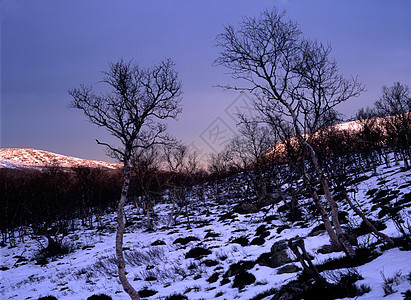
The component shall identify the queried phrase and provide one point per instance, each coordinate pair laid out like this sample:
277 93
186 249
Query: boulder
245 208
288 269
279 254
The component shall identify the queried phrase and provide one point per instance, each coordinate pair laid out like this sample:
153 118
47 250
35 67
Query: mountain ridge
28 158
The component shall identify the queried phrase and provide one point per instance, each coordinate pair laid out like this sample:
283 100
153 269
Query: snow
38 159
79 274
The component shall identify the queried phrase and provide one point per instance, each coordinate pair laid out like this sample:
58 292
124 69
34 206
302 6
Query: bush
99 297
317 229
264 259
158 243
176 297
390 282
265 294
197 252
242 279
144 293
213 278
211 234
186 240
243 241
363 255
239 267
53 249
260 230
407 295
48 298
210 262
364 229
258 241
343 286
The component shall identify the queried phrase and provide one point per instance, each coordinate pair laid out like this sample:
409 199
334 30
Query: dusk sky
49 47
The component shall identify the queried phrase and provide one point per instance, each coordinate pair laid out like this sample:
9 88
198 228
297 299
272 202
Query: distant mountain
38 159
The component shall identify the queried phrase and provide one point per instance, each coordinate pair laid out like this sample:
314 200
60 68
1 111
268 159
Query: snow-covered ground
91 269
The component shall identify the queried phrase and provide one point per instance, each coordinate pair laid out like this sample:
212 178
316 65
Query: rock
279 254
328 249
288 269
246 208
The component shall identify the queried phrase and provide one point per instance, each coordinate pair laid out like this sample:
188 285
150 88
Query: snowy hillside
224 255
33 158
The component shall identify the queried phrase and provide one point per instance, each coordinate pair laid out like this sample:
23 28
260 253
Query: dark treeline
42 199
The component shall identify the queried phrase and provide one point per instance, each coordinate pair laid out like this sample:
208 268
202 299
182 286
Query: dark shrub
364 229
144 293
357 180
260 229
407 295
150 278
305 288
242 279
362 255
99 297
268 219
213 278
243 241
186 240
258 241
54 248
265 294
282 228
197 253
343 217
405 201
158 243
264 259
343 288
317 229
211 234
227 216
210 262
246 208
371 192
49 298
238 267
176 297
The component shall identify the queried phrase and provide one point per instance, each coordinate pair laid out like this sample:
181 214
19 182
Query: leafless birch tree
290 76
131 110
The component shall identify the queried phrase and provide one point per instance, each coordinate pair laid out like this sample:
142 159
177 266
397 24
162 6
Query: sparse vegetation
294 199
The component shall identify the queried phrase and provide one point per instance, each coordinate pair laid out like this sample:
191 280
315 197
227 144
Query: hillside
224 255
38 159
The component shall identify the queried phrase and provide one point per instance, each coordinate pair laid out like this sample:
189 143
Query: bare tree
185 172
145 164
219 167
292 77
131 111
175 156
395 105
247 151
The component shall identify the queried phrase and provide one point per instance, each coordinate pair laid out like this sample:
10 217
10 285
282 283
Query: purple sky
48 47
